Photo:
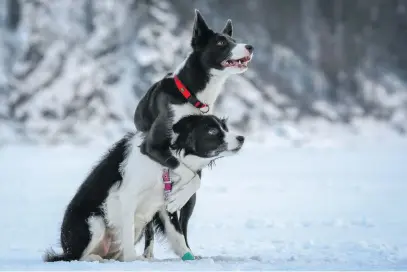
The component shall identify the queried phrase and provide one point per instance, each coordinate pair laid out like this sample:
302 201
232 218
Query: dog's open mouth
239 63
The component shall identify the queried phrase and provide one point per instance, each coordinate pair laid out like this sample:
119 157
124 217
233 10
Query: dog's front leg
180 194
182 175
174 234
152 146
126 232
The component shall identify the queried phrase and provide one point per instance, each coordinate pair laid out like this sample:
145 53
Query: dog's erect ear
201 31
228 29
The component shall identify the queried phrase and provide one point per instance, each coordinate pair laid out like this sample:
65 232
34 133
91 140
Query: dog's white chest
212 90
140 177
151 200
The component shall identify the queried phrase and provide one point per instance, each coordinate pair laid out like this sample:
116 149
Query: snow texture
269 208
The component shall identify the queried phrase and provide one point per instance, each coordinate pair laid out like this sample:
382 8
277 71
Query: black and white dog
192 89
108 213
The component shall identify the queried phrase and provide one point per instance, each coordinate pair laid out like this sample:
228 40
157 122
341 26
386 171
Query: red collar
204 108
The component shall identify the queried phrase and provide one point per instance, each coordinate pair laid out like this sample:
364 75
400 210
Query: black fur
208 132
75 235
91 195
153 114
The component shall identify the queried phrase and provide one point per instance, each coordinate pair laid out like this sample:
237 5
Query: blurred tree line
308 49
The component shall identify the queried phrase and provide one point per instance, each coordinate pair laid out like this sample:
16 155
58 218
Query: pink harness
167 182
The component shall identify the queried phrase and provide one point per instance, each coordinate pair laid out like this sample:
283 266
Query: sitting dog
108 213
192 88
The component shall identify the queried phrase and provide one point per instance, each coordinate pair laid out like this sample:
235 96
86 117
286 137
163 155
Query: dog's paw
148 254
176 202
192 184
134 258
93 258
177 199
131 257
179 196
172 207
174 177
184 173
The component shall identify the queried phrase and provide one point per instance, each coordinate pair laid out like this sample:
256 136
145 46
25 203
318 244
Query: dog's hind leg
174 234
92 258
149 241
100 242
77 238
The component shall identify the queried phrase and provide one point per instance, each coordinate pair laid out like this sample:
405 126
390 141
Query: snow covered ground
268 208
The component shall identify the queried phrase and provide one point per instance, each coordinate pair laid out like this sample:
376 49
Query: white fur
176 239
149 251
180 196
239 51
98 230
213 87
208 95
92 258
182 191
124 206
130 206
231 140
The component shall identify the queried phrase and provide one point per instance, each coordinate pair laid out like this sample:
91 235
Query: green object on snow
188 257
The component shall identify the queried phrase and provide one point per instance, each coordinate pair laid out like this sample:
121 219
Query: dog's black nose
240 139
249 48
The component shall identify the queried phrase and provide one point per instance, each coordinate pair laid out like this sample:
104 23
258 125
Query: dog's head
218 51
206 137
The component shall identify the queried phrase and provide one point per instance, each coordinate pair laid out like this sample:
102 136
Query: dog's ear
201 31
184 124
228 29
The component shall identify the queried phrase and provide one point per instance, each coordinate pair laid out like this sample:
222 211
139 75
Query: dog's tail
51 256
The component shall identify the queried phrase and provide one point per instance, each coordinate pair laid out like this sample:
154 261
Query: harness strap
167 182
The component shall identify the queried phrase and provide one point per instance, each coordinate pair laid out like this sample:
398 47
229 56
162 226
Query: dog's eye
213 131
221 43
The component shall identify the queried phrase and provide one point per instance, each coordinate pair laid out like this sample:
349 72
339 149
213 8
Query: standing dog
125 190
192 89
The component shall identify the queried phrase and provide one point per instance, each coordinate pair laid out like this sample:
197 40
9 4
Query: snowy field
265 209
